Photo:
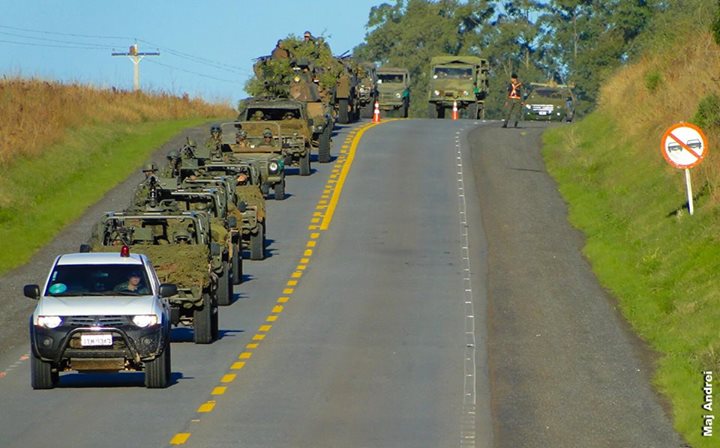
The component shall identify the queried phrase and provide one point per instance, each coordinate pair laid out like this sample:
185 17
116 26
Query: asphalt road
440 301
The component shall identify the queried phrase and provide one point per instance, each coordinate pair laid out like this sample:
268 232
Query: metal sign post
684 146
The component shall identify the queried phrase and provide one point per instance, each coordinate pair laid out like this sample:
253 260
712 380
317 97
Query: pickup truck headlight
145 320
49 321
436 93
466 93
273 167
397 95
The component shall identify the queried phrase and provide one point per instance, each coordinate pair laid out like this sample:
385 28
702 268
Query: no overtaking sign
684 146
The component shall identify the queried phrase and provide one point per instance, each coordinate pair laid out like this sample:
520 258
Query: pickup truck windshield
98 280
452 72
386 78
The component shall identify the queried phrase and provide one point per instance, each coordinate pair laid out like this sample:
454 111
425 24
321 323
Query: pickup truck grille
96 321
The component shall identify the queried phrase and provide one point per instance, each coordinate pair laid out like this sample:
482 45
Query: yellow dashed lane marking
314 236
307 253
277 309
265 328
252 346
245 355
305 260
228 378
207 407
219 390
311 244
180 438
317 214
288 290
258 337
301 267
293 282
271 318
296 274
315 220
237 365
283 299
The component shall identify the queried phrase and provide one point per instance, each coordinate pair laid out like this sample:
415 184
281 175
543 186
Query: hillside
63 146
659 261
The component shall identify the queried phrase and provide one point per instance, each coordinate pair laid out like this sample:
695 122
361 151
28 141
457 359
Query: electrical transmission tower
135 56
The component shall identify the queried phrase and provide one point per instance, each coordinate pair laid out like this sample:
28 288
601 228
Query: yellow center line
277 309
180 438
237 365
289 290
293 282
207 406
271 318
283 299
252 346
265 328
245 355
258 337
219 390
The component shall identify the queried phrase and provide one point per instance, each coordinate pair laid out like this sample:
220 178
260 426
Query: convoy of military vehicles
193 219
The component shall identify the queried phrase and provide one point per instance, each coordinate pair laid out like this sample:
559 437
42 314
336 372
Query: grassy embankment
62 147
661 263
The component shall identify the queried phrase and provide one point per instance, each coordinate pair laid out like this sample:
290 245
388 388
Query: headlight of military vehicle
527 106
397 95
436 93
466 93
145 320
273 167
49 321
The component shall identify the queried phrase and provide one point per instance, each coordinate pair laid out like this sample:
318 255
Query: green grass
40 196
660 262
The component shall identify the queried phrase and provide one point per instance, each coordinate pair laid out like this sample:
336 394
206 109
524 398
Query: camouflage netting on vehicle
218 232
184 265
273 76
252 196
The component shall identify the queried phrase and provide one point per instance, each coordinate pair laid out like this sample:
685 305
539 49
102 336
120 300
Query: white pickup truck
101 312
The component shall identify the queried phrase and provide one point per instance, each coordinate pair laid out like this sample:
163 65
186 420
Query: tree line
577 42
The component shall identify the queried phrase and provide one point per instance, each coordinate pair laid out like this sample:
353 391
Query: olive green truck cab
549 102
393 87
461 81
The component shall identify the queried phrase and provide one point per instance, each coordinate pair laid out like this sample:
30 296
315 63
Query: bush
708 112
653 79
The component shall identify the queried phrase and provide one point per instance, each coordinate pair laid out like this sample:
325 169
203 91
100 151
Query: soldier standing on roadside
514 100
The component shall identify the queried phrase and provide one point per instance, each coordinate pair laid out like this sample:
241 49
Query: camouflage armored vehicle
249 202
319 111
259 144
226 232
393 87
549 102
461 80
296 133
355 91
180 248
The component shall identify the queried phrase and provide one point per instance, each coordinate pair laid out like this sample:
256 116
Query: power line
88 36
194 73
198 59
33 44
45 39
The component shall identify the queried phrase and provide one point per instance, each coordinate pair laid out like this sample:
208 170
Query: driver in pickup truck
133 284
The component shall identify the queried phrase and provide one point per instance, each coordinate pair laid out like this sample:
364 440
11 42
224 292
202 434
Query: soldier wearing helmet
146 191
267 138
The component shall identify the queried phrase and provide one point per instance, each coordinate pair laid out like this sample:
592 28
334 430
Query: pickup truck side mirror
168 290
32 292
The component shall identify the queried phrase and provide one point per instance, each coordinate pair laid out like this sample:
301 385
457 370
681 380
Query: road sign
684 145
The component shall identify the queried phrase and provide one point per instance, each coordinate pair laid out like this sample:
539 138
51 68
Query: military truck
249 202
296 132
180 247
393 87
319 110
267 157
549 102
366 88
460 80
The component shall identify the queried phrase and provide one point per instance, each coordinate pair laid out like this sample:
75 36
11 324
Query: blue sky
206 47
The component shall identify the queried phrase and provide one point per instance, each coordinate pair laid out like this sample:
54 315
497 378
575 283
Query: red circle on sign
666 135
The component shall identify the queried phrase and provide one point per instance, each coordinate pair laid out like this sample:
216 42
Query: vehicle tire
279 190
432 111
257 244
225 286
324 147
305 164
41 374
159 370
264 188
472 111
343 116
237 271
202 321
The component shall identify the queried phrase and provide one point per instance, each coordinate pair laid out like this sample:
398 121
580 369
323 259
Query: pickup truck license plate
94 340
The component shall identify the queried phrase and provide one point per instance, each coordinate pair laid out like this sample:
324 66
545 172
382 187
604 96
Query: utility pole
135 56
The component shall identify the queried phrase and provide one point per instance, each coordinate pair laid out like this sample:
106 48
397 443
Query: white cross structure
135 56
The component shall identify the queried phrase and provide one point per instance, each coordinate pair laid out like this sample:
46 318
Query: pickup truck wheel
157 371
324 147
305 164
343 117
238 264
257 244
202 321
41 374
279 190
225 287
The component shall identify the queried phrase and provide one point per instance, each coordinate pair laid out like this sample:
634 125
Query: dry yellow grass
36 114
687 72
